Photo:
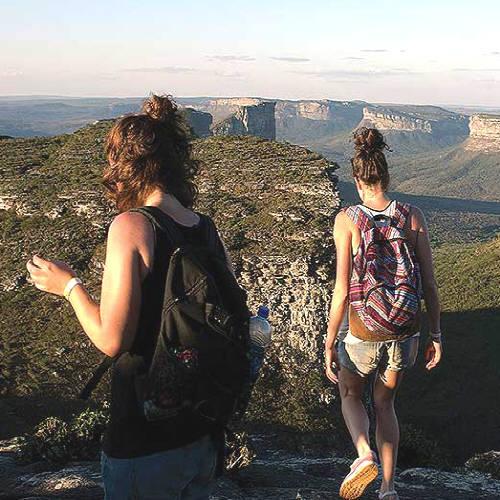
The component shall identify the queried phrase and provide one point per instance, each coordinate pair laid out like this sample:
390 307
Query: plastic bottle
260 338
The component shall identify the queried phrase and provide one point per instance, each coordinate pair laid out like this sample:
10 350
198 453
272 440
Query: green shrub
58 442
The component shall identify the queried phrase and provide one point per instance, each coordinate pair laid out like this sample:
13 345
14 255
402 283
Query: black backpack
201 361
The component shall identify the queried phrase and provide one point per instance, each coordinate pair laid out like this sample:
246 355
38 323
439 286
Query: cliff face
390 120
308 121
484 133
425 119
257 120
222 108
416 129
274 204
199 121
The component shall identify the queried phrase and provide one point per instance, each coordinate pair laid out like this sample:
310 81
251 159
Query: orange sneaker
364 470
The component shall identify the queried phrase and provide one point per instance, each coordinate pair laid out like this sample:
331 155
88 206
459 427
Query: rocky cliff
275 475
199 121
484 134
307 122
255 119
387 119
274 204
414 129
425 119
221 108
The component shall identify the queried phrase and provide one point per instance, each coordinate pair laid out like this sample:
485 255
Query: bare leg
387 432
351 388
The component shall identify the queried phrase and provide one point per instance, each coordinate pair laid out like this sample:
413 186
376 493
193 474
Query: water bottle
260 338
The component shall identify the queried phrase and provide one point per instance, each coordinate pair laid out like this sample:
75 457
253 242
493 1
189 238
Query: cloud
11 73
162 69
229 74
355 75
374 50
290 59
495 53
476 70
106 76
232 58
352 58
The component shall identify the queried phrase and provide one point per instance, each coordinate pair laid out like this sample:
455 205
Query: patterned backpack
385 288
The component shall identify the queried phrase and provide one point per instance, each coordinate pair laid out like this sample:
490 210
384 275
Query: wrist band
435 335
70 285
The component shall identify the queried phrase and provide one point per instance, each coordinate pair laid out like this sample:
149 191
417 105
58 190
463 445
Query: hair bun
369 141
160 108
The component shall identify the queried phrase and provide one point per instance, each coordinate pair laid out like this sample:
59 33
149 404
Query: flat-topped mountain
220 107
484 134
416 128
255 119
432 151
314 122
467 170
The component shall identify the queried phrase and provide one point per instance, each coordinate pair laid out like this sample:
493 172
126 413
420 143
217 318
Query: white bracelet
70 285
435 335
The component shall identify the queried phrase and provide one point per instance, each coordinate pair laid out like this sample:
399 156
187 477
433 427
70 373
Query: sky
425 52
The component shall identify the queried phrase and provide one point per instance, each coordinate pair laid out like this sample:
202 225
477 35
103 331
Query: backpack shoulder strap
96 377
400 213
212 235
159 220
362 220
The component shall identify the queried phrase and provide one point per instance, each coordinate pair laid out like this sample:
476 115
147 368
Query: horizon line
62 96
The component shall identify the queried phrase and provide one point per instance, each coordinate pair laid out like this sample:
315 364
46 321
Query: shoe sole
355 487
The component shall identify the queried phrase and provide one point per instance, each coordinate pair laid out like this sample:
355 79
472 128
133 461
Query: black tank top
129 434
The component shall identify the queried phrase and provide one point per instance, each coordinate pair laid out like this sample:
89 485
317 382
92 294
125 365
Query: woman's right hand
433 353
331 364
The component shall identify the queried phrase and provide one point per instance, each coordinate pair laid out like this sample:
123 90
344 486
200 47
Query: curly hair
369 163
150 150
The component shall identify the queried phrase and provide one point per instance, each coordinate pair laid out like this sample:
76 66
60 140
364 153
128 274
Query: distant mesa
221 108
417 127
312 121
235 116
426 119
484 134
256 119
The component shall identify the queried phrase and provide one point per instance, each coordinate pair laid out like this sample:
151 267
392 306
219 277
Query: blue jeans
186 473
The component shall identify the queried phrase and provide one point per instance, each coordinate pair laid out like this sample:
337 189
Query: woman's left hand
49 275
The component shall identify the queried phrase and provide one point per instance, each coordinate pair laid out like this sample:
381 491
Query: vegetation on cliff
274 204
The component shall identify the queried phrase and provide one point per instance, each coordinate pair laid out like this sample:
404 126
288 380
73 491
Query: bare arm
424 256
423 251
342 237
111 325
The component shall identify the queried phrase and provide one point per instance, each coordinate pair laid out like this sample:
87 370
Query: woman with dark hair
384 261
150 165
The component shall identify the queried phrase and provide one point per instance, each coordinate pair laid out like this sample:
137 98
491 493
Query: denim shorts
186 473
365 357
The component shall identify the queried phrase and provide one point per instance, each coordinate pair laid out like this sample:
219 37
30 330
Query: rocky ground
275 474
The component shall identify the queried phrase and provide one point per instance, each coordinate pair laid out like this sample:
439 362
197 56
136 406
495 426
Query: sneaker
364 470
